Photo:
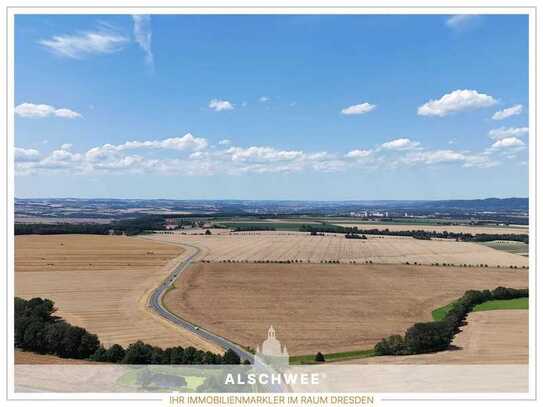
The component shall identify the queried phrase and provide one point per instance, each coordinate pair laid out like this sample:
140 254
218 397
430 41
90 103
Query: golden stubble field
101 283
284 246
326 308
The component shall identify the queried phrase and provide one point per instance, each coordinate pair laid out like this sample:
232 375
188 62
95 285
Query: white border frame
13 7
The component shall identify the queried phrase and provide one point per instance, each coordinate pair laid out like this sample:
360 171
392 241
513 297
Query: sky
345 107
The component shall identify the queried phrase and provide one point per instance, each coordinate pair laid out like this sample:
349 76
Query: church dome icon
272 351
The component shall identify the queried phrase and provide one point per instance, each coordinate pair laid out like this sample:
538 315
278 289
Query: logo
271 352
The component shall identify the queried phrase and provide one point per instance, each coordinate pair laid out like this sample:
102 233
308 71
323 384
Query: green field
508 246
131 377
332 357
517 303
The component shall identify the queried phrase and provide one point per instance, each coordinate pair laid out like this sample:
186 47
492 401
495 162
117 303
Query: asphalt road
155 302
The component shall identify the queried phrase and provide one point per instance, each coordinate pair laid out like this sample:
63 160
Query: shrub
428 337
319 357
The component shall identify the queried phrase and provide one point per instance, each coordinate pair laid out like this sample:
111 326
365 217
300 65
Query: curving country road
155 302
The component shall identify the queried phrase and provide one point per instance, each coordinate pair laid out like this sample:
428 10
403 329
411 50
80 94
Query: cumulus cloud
225 142
460 20
220 105
400 144
81 45
187 142
361 108
142 35
358 154
507 132
264 99
189 155
263 154
505 113
26 154
456 101
32 110
507 143
431 157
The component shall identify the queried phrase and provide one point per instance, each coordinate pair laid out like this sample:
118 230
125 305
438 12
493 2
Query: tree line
417 234
38 330
425 337
128 227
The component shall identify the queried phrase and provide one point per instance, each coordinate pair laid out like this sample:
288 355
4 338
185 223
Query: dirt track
101 283
327 308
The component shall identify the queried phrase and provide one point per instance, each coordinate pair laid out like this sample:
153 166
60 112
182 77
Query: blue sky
271 107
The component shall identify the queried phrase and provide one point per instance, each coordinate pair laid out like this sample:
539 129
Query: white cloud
432 157
220 105
187 142
400 144
358 154
460 20
32 110
456 101
81 45
358 109
142 35
262 154
264 99
505 113
42 110
507 143
507 132
189 155
66 113
26 154
225 142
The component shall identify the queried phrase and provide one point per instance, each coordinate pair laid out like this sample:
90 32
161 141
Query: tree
231 358
138 353
115 353
319 357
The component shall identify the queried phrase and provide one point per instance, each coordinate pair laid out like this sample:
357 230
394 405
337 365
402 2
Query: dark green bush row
38 330
140 353
417 234
435 336
126 226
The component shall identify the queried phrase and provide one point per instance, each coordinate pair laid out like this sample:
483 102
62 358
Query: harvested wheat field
101 283
301 247
490 337
326 308
30 358
495 230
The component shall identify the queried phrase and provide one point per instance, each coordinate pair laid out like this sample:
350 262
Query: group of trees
435 336
126 226
354 236
350 232
38 330
140 353
253 228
